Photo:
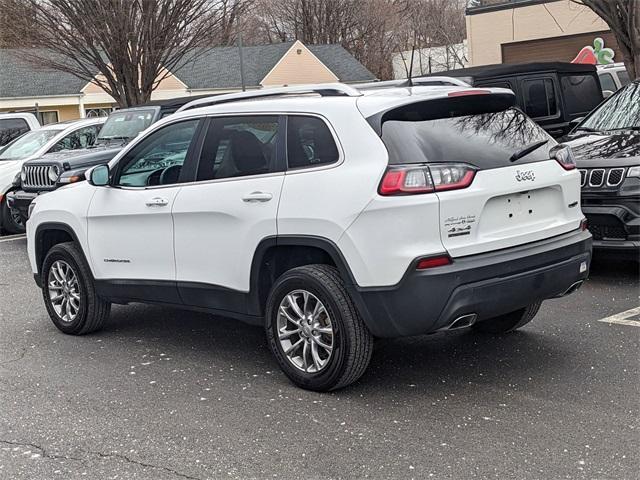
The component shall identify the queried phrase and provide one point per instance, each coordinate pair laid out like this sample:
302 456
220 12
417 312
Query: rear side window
623 76
485 140
607 83
581 93
309 143
11 128
539 97
238 147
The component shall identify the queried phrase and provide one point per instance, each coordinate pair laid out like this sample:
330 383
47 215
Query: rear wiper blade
527 150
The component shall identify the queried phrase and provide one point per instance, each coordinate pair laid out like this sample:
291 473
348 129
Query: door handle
257 197
157 202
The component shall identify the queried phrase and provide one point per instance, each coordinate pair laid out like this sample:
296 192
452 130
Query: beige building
518 31
57 96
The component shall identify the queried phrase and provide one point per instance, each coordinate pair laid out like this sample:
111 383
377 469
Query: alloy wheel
305 331
64 291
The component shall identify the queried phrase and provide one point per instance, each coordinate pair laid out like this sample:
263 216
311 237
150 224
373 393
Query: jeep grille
37 176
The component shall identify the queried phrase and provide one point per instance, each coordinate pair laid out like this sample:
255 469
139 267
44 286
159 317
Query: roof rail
417 81
323 89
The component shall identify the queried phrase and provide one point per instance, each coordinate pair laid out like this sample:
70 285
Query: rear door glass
539 97
485 140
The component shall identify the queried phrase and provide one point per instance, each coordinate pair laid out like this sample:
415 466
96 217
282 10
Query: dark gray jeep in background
606 146
121 127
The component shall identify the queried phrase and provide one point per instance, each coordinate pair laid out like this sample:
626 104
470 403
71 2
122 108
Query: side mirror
607 93
99 176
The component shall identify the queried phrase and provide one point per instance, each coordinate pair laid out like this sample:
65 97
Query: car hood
79 158
613 149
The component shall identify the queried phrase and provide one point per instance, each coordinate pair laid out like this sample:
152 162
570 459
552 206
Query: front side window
158 159
581 93
620 111
238 147
539 98
81 138
309 143
28 144
11 128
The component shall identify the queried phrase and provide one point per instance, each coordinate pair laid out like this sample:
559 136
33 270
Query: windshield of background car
126 125
621 111
485 140
28 144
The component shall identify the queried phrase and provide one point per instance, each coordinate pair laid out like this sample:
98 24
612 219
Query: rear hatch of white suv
500 179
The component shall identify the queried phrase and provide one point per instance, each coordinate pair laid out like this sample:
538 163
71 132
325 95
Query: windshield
621 111
28 144
126 125
486 140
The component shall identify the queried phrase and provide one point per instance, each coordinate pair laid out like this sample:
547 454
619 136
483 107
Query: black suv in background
121 127
606 146
553 94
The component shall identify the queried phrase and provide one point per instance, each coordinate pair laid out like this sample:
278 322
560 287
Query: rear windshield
485 140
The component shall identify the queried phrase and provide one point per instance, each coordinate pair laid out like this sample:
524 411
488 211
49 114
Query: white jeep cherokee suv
328 214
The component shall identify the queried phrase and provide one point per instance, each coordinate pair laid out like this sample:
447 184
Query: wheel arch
275 255
48 235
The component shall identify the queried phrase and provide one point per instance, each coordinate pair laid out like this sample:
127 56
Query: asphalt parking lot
166 394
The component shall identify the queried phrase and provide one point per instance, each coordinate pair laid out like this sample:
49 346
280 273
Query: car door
130 228
222 217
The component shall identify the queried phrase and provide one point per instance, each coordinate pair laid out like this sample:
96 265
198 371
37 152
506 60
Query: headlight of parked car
71 176
633 172
53 173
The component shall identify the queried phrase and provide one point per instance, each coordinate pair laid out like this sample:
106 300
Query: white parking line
10 238
624 318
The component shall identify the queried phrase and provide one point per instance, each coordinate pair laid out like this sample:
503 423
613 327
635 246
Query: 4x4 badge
525 175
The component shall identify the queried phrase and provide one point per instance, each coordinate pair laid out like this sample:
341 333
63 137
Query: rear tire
308 310
508 322
11 222
69 293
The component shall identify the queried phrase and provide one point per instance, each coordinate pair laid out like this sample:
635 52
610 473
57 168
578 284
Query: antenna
409 80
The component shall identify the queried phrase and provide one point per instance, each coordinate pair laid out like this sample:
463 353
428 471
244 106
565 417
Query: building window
46 118
98 112
539 98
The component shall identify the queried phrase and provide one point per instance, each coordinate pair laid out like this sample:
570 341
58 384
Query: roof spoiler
323 89
418 81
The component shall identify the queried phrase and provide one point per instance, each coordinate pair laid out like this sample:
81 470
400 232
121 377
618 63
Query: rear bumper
20 200
486 285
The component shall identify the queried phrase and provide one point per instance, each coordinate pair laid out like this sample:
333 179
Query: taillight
583 224
431 262
414 179
564 157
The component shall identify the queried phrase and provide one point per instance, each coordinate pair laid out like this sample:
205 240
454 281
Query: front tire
12 222
315 331
508 322
69 293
